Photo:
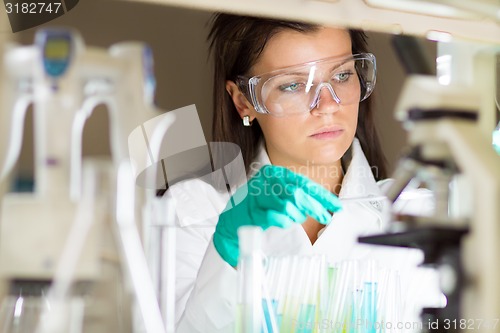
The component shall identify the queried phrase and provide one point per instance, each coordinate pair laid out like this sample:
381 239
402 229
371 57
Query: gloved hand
276 197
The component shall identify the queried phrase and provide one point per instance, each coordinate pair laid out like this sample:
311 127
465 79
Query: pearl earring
246 121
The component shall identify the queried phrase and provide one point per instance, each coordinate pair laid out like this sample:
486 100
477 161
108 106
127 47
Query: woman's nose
325 100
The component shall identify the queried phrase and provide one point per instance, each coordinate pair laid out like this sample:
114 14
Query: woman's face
322 135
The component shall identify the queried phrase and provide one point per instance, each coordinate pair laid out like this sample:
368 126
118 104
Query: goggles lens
297 89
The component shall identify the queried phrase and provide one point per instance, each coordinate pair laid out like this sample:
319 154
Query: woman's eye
342 77
290 87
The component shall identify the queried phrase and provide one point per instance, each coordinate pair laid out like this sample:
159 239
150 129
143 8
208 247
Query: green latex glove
274 196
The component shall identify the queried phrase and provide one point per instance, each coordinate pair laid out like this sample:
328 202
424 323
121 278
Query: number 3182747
32 7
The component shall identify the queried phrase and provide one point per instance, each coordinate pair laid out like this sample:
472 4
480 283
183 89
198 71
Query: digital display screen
57 49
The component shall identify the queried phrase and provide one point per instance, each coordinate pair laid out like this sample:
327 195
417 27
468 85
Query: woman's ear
240 102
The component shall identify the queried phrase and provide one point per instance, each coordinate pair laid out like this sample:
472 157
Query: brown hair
236 42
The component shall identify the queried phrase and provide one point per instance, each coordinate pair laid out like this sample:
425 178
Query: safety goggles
297 89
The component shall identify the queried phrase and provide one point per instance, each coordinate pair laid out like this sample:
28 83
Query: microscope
450 153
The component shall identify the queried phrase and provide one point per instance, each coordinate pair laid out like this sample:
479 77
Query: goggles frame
248 86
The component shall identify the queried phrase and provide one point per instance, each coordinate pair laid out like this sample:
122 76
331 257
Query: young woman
294 98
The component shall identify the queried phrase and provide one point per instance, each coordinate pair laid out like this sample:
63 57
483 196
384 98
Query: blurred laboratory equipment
465 19
34 226
496 138
64 262
450 151
133 253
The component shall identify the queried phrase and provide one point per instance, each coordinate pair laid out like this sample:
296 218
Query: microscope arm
478 161
404 173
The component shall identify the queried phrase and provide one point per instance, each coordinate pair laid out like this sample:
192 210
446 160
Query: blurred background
177 37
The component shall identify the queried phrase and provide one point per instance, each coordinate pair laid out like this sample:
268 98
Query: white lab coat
207 286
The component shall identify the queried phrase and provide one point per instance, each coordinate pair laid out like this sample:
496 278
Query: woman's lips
327 133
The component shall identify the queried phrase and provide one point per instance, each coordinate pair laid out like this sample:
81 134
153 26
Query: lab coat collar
260 160
358 180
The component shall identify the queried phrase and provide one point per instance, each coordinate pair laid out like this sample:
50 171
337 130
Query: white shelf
467 25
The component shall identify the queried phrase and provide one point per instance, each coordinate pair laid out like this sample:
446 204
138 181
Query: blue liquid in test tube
268 313
369 308
307 316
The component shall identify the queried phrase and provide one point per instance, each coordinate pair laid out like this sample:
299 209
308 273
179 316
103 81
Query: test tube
370 295
273 286
269 323
333 273
323 289
283 272
340 296
369 309
291 300
390 301
307 307
250 272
